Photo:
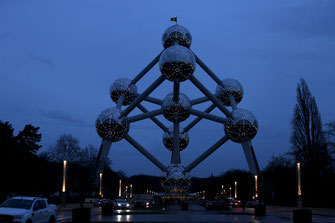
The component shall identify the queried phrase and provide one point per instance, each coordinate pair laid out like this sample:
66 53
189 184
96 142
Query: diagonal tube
101 159
145 115
145 153
206 92
199 100
146 69
154 119
140 98
198 119
208 116
153 100
208 71
208 152
248 155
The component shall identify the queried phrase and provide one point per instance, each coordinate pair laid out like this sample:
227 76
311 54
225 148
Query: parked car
236 203
216 205
142 204
121 204
28 210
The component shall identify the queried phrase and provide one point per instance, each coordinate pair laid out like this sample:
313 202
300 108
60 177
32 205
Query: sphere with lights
123 86
177 63
168 140
110 126
242 127
176 34
176 180
176 111
229 87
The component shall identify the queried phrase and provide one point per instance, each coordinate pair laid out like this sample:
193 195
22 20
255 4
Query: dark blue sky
59 58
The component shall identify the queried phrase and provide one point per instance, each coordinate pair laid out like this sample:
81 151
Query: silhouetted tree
66 148
280 181
28 138
309 146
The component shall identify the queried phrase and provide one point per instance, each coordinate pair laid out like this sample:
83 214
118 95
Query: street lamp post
64 183
100 185
131 191
222 189
256 189
299 185
120 183
126 192
235 189
230 193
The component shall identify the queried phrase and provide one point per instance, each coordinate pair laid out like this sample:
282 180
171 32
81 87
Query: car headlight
119 205
18 216
127 205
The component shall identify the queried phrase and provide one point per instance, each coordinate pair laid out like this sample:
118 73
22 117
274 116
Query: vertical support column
175 159
101 159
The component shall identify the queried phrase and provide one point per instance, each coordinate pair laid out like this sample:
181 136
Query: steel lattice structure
177 64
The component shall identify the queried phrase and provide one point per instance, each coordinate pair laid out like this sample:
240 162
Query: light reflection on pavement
193 215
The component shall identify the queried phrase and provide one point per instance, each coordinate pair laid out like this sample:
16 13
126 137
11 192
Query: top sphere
229 87
176 34
123 86
177 63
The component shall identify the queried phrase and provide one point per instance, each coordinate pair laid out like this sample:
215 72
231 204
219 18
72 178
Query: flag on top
174 19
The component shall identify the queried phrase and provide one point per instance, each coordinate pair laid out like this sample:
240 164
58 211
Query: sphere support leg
101 159
146 69
251 159
145 153
208 152
141 97
206 92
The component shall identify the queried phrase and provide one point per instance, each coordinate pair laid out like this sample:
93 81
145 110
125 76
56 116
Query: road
195 214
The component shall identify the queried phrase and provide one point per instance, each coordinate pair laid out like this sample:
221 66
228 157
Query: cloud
42 60
60 116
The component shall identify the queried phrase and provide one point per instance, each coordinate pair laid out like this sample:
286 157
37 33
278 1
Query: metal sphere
110 126
242 127
123 86
176 111
176 180
176 34
229 87
168 139
177 63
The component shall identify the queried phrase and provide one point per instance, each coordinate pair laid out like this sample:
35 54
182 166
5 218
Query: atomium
176 180
229 87
242 127
123 86
176 112
168 139
176 34
177 63
110 126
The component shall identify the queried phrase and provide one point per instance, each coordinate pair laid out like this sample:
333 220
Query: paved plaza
198 214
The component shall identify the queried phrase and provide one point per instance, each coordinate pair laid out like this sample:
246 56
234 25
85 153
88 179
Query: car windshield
17 203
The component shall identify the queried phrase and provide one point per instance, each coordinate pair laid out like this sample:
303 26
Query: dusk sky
58 59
